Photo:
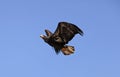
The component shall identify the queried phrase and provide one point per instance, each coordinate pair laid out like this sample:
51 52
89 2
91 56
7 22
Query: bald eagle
63 34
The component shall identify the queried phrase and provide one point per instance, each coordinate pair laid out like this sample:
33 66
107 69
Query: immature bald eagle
63 34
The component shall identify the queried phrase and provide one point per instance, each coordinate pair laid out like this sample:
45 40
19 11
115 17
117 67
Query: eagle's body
63 34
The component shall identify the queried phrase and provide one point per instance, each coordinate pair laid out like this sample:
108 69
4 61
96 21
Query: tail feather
67 50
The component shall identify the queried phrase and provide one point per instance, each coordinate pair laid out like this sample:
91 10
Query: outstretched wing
67 31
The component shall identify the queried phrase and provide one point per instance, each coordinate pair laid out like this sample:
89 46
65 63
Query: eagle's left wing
48 33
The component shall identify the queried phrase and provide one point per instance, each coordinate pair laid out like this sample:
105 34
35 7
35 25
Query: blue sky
24 54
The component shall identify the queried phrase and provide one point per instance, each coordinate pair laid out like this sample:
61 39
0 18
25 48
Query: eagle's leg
67 50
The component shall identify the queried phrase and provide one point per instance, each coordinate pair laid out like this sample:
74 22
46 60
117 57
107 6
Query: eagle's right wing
66 31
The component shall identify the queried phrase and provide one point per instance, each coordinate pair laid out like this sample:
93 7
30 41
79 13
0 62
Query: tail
67 50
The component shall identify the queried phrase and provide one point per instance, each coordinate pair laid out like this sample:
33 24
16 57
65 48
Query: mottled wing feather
67 31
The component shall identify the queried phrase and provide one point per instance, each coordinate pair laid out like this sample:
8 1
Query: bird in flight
64 33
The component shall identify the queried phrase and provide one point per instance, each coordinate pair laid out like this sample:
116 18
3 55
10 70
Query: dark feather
67 31
48 33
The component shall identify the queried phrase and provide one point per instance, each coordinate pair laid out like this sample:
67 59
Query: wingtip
81 33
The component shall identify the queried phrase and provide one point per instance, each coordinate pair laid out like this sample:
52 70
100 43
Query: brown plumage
63 34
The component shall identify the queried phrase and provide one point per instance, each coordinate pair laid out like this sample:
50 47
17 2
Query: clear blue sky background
24 54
